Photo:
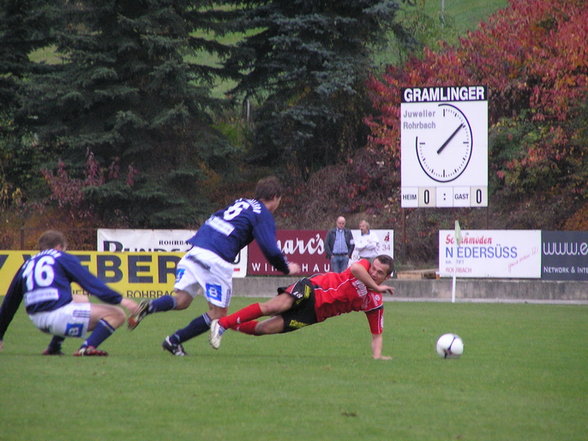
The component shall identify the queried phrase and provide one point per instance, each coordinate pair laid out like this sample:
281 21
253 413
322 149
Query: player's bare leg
277 305
274 306
173 343
179 301
104 319
273 325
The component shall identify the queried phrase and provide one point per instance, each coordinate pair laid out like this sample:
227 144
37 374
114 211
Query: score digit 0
427 197
479 196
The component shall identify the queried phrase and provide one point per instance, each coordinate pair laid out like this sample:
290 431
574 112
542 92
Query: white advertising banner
490 253
143 240
131 240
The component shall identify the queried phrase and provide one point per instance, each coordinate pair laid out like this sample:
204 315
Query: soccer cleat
136 318
53 351
90 351
173 348
216 334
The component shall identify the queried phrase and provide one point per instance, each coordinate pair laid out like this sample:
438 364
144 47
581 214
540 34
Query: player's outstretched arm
363 276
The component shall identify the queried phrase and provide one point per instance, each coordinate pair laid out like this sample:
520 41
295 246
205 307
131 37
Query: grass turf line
522 377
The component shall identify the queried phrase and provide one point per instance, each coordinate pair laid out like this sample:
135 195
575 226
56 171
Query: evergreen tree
306 62
127 96
25 26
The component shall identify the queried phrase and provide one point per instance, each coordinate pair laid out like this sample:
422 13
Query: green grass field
522 377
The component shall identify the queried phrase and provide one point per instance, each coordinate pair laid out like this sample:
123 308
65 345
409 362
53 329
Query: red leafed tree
69 192
533 56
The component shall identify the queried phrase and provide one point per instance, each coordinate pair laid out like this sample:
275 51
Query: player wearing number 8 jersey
208 267
44 283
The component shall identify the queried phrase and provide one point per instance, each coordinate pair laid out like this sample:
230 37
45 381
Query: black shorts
301 313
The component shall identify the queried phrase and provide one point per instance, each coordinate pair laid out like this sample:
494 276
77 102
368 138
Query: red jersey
339 293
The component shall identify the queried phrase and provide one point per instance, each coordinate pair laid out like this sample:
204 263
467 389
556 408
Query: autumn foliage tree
533 57
70 193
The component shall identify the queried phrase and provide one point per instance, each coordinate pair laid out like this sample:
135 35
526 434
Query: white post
442 13
456 243
454 278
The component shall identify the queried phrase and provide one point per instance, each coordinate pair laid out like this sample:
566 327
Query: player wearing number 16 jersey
208 267
44 283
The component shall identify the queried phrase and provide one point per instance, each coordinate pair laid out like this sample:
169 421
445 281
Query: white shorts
202 271
71 320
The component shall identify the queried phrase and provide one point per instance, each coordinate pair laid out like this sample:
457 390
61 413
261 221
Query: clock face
445 154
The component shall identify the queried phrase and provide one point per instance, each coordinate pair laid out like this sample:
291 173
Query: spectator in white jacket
367 243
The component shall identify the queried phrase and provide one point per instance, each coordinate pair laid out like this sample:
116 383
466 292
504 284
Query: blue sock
101 332
196 327
163 303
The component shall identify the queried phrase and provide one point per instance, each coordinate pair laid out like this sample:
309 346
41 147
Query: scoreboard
444 146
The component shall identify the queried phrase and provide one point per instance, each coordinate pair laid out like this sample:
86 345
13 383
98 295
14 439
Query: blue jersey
44 282
229 230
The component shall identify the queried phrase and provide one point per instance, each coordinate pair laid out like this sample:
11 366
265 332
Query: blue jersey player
208 267
44 282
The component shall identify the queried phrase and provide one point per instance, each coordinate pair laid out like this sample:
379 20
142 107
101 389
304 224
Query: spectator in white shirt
367 243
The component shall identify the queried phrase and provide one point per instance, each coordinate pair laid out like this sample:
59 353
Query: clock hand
449 139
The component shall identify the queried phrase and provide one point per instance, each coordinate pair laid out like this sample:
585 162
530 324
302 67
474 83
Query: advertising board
564 255
135 275
122 240
307 248
490 253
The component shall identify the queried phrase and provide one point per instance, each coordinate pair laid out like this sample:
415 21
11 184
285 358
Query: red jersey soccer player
312 300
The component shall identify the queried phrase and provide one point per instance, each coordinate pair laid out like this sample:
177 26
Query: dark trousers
339 263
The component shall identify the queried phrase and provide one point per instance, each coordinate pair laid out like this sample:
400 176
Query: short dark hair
386 260
50 239
268 188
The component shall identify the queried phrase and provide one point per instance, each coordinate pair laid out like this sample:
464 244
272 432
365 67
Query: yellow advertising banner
134 275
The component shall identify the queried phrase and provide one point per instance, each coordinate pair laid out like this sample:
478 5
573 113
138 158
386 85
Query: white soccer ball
450 346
